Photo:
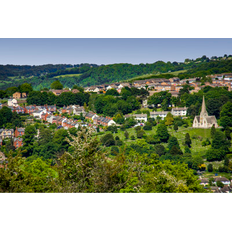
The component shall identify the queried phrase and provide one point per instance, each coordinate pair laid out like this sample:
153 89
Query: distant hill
91 74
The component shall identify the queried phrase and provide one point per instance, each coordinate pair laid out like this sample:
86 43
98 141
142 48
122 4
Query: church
204 121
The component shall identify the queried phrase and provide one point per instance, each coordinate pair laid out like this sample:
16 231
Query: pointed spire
203 108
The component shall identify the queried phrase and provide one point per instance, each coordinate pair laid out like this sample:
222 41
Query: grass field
196 149
147 76
67 75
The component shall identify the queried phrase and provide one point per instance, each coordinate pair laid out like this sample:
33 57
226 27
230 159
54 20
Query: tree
140 134
25 88
162 133
56 85
220 142
215 155
187 140
126 134
173 142
187 150
169 119
159 149
212 131
108 140
175 127
28 140
226 115
114 150
210 168
112 92
220 184
175 151
227 133
5 115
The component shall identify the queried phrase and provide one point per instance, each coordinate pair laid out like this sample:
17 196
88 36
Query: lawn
67 75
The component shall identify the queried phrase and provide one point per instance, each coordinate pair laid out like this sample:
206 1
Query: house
179 111
18 142
204 181
79 110
24 95
90 115
17 95
105 121
228 77
12 102
57 92
75 91
19 131
161 114
6 133
50 108
224 180
38 113
44 116
19 110
140 117
29 109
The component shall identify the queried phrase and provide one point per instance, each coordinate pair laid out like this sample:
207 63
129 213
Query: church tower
203 113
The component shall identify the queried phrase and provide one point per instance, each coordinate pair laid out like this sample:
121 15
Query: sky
33 51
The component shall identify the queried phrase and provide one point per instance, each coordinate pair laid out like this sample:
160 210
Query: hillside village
172 85
61 116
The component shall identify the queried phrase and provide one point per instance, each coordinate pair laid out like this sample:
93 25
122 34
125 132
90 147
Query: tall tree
162 133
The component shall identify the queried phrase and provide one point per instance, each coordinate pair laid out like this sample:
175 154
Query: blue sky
108 51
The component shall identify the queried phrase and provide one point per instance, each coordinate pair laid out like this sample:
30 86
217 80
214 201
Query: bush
147 127
132 137
140 134
137 128
215 155
210 168
107 140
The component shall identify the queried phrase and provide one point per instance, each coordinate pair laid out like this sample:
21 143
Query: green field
148 76
196 148
67 75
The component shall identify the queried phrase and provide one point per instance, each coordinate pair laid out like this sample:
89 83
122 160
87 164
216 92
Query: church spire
203 108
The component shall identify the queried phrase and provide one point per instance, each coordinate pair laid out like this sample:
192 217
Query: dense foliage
87 169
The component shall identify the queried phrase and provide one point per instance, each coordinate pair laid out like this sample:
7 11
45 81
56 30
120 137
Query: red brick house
44 116
19 132
29 109
18 142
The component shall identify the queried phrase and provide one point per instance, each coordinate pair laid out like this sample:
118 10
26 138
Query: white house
38 113
161 114
140 117
12 102
224 180
179 111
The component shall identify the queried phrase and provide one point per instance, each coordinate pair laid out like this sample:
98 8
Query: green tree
173 142
175 127
25 88
28 140
187 140
220 142
56 85
162 133
169 119
210 168
226 115
212 131
126 134
108 140
5 115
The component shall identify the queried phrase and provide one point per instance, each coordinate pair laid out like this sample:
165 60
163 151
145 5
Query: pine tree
212 131
188 140
175 127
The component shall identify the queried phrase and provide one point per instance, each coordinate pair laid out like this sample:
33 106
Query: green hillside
90 74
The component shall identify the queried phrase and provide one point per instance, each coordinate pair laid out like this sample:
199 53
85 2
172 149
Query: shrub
210 168
132 137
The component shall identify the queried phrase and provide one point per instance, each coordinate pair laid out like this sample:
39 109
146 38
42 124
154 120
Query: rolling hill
91 74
